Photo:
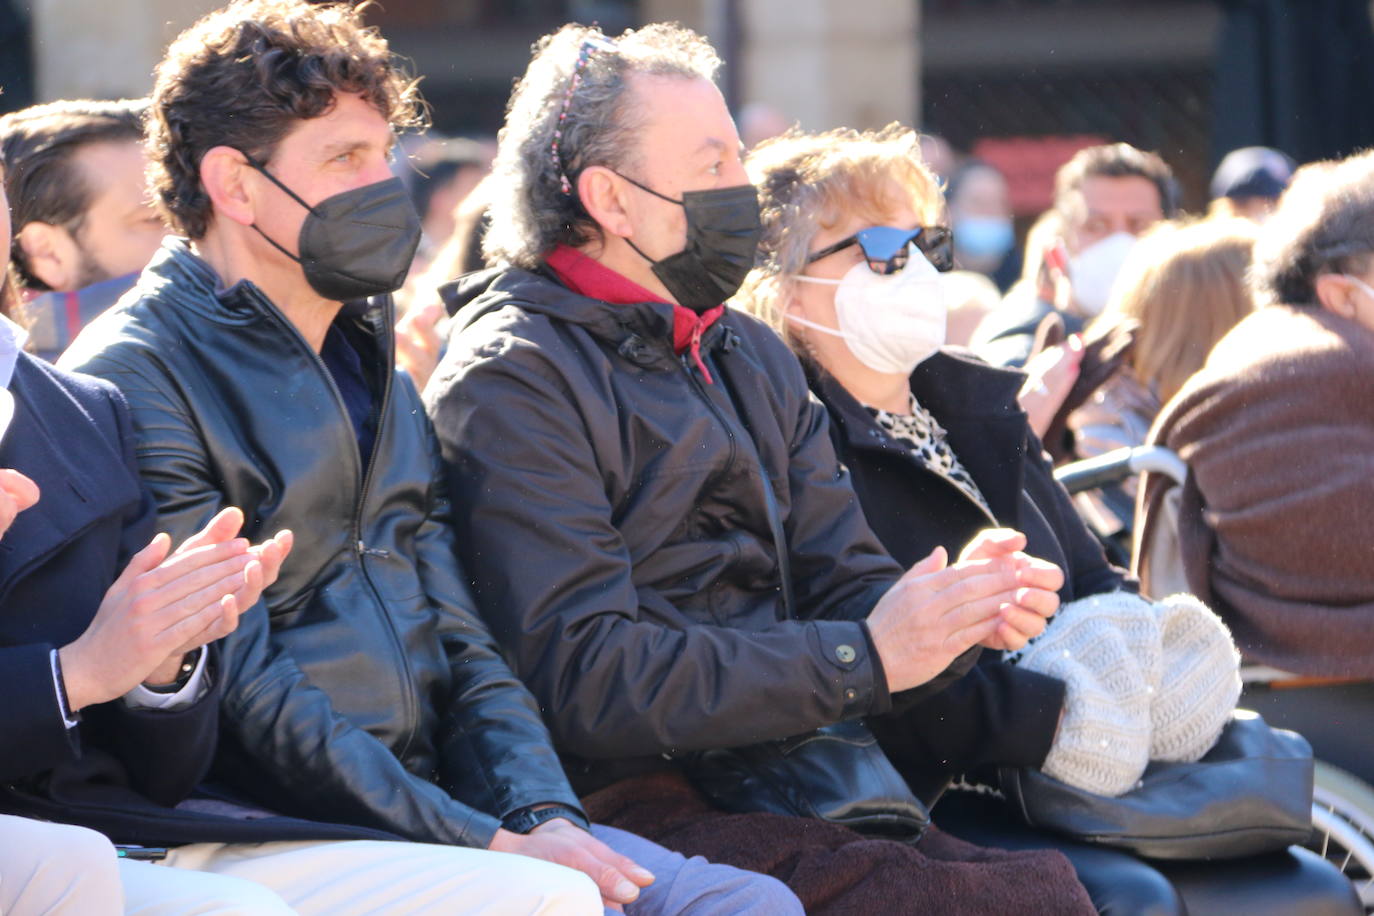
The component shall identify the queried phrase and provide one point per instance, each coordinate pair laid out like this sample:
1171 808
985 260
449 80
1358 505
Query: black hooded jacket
612 514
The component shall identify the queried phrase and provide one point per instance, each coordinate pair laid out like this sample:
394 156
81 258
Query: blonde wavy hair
811 182
1185 284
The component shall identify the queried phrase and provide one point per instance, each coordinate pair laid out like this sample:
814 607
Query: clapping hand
165 604
1020 623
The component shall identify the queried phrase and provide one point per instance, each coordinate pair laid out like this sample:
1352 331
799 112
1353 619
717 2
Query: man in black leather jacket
364 688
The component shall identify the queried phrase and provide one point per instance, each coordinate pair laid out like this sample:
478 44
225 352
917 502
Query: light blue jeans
696 887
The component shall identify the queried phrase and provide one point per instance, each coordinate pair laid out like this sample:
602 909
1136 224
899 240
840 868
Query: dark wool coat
997 714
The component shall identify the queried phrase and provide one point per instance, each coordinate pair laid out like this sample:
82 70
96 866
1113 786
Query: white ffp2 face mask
890 322
1093 271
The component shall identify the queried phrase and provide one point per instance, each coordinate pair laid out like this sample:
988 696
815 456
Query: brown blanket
1276 519
836 871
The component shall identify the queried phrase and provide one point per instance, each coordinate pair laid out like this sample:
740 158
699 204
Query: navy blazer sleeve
36 737
163 753
166 752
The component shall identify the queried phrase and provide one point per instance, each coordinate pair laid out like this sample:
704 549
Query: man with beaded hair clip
653 517
257 357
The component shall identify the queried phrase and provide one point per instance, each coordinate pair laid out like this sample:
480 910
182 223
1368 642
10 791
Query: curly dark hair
596 119
243 75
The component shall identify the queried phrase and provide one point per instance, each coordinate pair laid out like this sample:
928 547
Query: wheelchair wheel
1343 827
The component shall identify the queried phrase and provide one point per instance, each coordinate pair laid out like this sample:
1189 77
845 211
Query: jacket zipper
730 455
734 449
716 412
361 550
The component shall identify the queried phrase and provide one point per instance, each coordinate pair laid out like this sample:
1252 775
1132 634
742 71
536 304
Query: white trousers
351 878
55 869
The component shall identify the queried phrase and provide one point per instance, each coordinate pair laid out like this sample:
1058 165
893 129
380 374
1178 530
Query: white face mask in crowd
890 322
1094 269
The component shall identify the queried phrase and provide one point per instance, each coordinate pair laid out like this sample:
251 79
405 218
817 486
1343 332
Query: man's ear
51 255
1336 294
603 197
222 173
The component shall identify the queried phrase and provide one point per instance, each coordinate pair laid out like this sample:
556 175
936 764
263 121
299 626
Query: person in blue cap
1249 181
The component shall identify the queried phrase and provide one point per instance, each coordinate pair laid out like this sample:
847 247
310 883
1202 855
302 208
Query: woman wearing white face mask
939 451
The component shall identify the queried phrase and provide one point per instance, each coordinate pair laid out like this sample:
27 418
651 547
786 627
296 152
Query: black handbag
1251 793
838 773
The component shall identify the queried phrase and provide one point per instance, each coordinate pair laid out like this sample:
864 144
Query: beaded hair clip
590 44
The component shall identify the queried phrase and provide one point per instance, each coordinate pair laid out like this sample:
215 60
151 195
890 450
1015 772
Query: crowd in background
511 486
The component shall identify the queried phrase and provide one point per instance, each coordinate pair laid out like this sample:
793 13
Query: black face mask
355 244
723 232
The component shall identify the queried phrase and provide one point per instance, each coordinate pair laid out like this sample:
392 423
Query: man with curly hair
257 357
655 520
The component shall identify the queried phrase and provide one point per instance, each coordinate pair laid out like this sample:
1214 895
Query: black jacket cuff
1032 703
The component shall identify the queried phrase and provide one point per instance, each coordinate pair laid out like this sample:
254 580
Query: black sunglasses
885 247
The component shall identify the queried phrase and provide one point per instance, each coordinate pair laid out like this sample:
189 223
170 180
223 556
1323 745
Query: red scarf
589 278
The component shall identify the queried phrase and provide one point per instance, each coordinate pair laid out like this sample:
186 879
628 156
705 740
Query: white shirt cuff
143 698
68 717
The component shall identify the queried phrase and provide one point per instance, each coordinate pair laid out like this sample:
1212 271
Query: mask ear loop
644 187
816 326
262 170
806 322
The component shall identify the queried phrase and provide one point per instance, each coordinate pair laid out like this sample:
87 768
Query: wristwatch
523 820
188 667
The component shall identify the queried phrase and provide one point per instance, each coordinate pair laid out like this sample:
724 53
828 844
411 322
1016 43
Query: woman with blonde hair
939 450
1184 286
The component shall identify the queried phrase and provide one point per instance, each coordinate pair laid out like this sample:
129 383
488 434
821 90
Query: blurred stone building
1018 81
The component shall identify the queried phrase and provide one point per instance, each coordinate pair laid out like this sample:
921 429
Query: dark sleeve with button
615 671
839 570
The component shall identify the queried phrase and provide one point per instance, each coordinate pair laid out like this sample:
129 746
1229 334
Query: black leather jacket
615 525
364 688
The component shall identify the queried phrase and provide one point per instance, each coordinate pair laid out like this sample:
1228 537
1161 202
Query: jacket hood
642 332
539 292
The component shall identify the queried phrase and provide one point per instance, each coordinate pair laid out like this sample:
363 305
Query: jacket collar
178 274
591 278
641 332
12 340
974 402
